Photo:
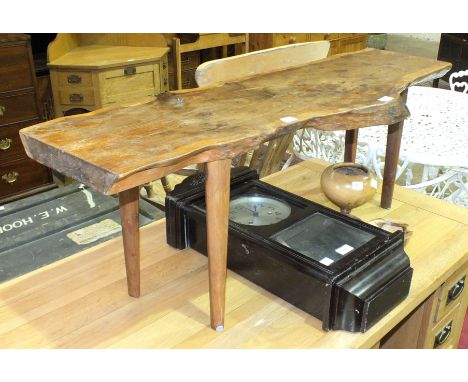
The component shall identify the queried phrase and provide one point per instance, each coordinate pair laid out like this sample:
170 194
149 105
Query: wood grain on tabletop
257 63
81 301
104 147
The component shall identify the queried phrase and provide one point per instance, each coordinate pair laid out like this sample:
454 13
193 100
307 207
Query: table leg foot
129 205
350 145
217 213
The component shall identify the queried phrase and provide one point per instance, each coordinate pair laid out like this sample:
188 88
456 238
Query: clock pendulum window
345 272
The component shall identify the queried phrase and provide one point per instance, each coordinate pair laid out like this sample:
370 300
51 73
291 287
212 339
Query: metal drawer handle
10 177
5 144
456 290
2 110
74 79
129 70
75 97
443 335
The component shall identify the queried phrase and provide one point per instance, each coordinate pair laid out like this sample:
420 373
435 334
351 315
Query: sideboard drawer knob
2 110
75 97
443 335
10 177
5 144
456 290
74 79
129 70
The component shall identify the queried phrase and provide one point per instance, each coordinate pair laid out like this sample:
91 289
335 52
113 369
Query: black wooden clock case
350 294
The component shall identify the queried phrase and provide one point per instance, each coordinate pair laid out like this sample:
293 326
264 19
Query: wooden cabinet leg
217 213
350 145
129 202
391 162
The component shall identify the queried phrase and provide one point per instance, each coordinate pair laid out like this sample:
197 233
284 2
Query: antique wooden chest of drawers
19 175
94 76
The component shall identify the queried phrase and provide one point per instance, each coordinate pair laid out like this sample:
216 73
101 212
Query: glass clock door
322 238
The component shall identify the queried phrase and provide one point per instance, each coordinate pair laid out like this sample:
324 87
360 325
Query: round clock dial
258 210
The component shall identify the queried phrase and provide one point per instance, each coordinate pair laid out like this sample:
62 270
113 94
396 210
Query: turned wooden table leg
217 213
350 145
391 163
129 201
392 155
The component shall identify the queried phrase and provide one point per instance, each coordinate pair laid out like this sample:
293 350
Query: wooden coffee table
115 150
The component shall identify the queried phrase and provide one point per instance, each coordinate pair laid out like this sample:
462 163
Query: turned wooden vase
348 185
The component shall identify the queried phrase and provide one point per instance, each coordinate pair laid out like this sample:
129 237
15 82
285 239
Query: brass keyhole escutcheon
10 177
5 144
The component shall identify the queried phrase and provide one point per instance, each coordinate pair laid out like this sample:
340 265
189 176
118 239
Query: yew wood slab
118 148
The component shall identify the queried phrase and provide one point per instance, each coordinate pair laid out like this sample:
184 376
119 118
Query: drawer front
445 334
22 174
130 97
76 97
10 142
75 79
116 87
128 71
18 108
15 73
452 292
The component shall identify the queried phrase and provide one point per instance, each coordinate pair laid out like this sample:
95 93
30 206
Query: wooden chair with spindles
217 72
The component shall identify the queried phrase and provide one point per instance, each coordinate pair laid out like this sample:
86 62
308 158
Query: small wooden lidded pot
348 185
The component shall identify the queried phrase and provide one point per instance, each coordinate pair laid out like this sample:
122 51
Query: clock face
258 210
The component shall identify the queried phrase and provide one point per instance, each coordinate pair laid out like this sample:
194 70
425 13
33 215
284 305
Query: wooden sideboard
88 74
339 42
81 302
19 175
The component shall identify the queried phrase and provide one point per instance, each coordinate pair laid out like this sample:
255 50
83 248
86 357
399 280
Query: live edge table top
118 148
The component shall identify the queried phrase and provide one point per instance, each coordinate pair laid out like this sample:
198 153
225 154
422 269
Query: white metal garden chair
444 182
